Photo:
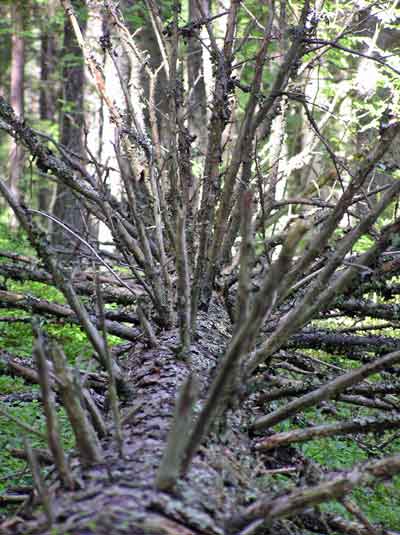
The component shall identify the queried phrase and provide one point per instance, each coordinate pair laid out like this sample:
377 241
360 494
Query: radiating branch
174 455
328 391
362 425
87 442
335 487
48 398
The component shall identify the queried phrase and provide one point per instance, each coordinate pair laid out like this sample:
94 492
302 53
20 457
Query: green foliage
334 453
12 437
11 385
135 15
71 60
17 243
17 339
363 244
51 128
380 503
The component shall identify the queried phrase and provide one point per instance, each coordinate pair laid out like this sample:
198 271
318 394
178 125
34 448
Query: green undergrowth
380 502
13 437
16 338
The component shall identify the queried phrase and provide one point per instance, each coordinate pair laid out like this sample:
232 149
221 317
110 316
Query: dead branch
327 391
363 425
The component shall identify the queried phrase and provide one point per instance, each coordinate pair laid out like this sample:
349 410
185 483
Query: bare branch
327 391
112 386
174 454
365 425
43 492
335 487
87 442
52 428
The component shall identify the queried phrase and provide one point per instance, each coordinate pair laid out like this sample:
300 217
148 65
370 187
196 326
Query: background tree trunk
67 208
48 89
17 98
196 79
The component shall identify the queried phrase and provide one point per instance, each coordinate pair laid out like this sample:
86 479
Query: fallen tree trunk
117 495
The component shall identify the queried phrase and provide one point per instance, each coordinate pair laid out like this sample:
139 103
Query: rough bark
118 494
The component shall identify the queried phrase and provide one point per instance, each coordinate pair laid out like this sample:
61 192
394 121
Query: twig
366 425
174 454
246 256
25 427
87 244
334 44
39 483
330 489
222 388
48 398
112 387
87 442
41 306
183 284
146 326
353 509
327 391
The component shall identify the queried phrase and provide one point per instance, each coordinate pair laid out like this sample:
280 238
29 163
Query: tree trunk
196 80
100 129
118 495
17 99
47 95
67 208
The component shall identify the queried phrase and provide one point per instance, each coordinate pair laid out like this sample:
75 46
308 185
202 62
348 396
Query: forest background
199 261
